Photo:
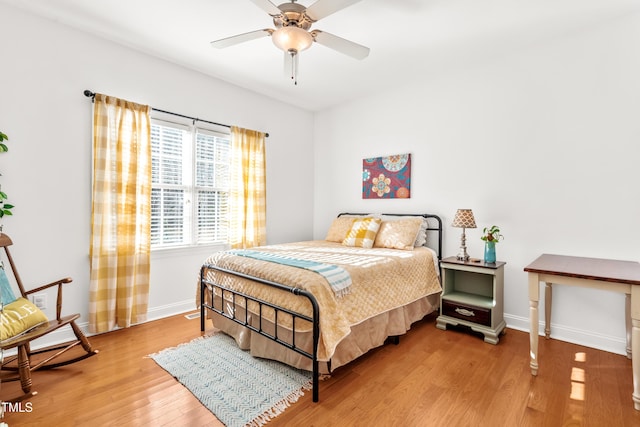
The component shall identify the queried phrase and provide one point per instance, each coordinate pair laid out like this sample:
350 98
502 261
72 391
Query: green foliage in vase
492 234
5 208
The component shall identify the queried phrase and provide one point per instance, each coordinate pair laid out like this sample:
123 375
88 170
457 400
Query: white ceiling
409 39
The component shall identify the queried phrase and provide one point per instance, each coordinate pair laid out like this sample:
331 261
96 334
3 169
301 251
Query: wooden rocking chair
21 341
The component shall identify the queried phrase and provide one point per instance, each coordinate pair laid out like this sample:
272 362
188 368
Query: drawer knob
465 312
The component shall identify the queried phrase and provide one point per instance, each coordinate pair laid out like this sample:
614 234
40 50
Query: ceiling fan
292 35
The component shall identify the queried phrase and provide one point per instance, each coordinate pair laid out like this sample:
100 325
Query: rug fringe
279 407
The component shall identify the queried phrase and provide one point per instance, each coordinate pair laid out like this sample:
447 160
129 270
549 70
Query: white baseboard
573 335
559 332
171 310
66 334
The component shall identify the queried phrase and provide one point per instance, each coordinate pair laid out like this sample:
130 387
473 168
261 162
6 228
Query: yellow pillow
339 228
400 234
362 233
18 317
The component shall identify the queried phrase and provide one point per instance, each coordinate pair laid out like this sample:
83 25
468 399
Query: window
190 185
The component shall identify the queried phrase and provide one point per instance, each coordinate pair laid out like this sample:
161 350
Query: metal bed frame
224 294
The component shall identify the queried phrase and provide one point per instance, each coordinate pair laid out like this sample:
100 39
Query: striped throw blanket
338 278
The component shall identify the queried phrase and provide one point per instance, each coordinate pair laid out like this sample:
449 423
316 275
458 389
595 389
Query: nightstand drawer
481 316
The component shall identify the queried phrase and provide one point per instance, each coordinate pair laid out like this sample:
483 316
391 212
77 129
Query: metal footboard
234 296
225 293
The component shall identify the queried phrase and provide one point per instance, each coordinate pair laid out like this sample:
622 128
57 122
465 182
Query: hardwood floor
431 378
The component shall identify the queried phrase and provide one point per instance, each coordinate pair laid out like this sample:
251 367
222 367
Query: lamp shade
464 219
292 38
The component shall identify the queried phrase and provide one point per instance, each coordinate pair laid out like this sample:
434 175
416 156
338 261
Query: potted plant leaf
491 236
5 208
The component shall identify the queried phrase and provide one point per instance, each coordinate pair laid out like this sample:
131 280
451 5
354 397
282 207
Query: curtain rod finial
88 93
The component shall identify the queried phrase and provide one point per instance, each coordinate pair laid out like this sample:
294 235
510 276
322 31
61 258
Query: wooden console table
611 275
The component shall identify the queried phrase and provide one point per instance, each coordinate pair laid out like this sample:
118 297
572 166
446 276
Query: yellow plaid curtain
248 193
120 214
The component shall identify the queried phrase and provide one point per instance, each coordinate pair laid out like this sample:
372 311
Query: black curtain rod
92 95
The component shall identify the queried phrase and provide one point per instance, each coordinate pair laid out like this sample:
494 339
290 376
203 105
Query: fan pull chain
294 65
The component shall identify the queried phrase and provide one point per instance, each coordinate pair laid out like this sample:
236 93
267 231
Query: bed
317 305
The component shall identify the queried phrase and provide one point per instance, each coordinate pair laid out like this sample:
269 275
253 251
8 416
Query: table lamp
463 219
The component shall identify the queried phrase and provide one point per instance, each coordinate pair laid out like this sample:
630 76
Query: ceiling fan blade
268 7
322 8
341 45
241 38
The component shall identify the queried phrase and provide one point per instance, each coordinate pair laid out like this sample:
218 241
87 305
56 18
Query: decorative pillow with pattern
18 317
363 232
6 293
399 234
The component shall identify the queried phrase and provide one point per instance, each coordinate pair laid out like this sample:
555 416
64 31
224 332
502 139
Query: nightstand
472 295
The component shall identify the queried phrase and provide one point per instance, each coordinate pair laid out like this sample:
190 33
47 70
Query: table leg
534 297
635 362
627 321
635 344
548 295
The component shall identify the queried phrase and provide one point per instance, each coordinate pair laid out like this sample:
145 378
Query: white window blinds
190 184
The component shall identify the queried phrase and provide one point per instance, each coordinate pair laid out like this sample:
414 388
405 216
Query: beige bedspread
383 279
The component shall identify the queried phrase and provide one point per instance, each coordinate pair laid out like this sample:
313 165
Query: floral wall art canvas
387 177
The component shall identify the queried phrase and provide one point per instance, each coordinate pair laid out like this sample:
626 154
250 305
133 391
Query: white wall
544 143
45 68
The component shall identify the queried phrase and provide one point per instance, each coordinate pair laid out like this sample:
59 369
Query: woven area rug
238 388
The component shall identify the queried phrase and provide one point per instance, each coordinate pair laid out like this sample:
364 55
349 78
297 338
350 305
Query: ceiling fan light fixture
292 38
